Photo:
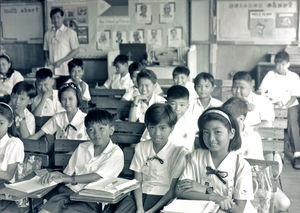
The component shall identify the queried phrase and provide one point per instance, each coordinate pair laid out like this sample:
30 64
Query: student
76 72
181 77
91 161
70 123
184 131
215 172
252 145
146 80
260 109
24 121
8 76
282 87
134 68
121 79
46 102
204 86
11 152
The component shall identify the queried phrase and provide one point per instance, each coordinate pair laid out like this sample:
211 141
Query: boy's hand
52 176
47 94
226 204
190 185
139 98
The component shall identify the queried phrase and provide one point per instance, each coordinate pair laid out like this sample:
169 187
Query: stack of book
190 206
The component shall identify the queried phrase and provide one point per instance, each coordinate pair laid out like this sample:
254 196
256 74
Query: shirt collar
107 149
4 140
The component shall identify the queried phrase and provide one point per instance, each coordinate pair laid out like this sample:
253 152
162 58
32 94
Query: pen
111 184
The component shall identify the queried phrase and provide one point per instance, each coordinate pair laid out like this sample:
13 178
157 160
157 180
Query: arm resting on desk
9 173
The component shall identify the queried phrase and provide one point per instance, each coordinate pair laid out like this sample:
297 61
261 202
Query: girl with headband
215 172
11 153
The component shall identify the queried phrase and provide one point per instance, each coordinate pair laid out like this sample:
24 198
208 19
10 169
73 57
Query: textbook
31 185
109 188
191 206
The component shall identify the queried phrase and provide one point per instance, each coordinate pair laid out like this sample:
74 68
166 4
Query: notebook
191 206
31 185
109 187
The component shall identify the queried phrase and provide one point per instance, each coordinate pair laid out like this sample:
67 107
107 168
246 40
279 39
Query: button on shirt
118 82
108 164
60 43
59 124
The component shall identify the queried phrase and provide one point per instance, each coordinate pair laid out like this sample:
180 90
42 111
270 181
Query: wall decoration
103 40
137 36
143 13
167 12
175 37
118 37
154 38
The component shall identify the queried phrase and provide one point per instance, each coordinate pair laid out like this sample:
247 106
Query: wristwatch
209 190
73 181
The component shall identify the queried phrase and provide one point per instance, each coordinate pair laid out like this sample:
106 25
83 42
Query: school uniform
60 43
65 129
7 84
263 110
30 123
108 164
52 105
116 81
142 106
134 91
192 92
86 96
238 183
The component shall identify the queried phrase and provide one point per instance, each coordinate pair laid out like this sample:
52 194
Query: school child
24 121
76 72
282 87
251 146
204 86
68 124
46 102
260 109
134 68
216 172
121 78
8 76
181 77
185 128
91 161
11 152
146 80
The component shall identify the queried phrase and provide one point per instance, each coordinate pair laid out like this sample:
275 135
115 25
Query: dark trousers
293 128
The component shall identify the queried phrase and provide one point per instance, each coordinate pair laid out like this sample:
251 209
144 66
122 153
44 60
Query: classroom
149 106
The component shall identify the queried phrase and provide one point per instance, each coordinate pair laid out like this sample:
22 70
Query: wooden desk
77 197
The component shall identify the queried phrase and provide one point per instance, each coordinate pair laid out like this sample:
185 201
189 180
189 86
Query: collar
230 157
163 153
62 27
4 140
107 149
77 119
125 76
209 103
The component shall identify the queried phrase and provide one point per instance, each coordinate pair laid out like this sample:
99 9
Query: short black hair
242 75
282 56
24 87
210 115
181 70
56 10
204 76
160 112
43 73
10 70
97 115
134 66
76 62
71 86
236 106
122 59
6 111
145 73
177 92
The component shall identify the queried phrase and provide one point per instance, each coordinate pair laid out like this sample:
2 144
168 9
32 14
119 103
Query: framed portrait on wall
118 37
103 40
167 12
175 37
143 13
137 36
154 38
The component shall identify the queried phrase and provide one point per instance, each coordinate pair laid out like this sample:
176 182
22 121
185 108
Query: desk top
77 197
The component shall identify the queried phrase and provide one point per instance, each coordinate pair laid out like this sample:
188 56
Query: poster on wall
118 37
167 12
83 34
143 13
103 40
137 36
261 24
154 38
112 12
175 37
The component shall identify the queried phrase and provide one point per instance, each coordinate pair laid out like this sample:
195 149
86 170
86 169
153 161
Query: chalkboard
21 22
264 22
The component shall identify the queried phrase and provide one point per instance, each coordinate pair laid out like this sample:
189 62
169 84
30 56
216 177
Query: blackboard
21 22
257 22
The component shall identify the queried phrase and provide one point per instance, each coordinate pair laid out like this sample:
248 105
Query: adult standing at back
60 45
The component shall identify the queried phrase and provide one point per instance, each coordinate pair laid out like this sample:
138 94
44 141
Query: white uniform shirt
109 163
11 151
263 110
59 124
192 92
133 91
157 177
8 84
281 87
239 186
51 106
118 82
142 106
30 121
60 43
86 96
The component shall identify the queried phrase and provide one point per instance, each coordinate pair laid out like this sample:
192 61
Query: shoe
296 163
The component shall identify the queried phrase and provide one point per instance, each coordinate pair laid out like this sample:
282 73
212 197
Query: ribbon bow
161 161
70 126
219 174
3 77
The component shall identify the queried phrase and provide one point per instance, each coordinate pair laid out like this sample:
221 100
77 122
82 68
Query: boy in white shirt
91 161
46 102
260 109
282 87
204 86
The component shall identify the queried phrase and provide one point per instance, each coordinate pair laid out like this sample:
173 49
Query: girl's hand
52 176
226 204
190 185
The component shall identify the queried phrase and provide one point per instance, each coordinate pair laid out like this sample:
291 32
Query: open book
191 206
31 185
109 187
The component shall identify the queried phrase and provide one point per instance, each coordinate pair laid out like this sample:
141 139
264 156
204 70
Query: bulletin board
259 21
102 24
15 19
